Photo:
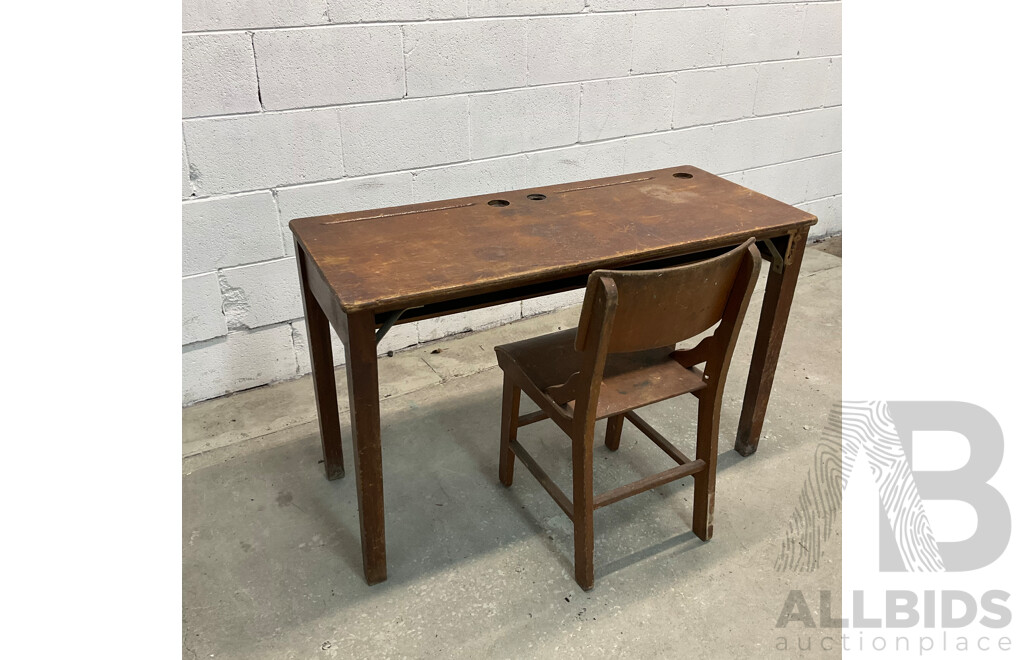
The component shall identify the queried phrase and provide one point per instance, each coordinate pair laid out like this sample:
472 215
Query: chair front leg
510 397
583 505
707 450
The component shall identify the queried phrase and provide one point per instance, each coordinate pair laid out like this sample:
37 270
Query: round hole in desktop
683 175
536 196
498 202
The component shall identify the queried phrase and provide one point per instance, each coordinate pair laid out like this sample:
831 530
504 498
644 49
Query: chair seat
631 380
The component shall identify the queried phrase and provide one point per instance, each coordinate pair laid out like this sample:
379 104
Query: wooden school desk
365 271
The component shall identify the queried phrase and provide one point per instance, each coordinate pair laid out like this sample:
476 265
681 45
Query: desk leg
361 367
778 298
321 360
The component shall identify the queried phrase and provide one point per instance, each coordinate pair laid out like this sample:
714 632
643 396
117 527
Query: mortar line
353 104
414 172
532 151
466 19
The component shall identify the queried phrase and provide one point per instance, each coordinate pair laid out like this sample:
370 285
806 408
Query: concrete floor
272 568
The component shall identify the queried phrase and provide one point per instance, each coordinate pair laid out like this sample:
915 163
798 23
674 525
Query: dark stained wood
554 368
318 334
361 370
411 255
657 438
509 424
542 477
611 365
613 432
778 298
452 256
531 418
647 483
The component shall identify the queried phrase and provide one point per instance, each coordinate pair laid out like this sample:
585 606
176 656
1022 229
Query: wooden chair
621 357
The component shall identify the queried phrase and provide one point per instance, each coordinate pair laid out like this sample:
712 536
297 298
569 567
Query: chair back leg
613 432
510 397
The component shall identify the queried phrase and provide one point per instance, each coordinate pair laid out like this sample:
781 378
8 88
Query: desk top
412 255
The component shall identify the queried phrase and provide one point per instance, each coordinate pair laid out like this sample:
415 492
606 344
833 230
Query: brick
798 181
186 184
768 140
218 75
524 7
544 304
523 120
577 163
446 58
692 146
676 40
239 361
822 32
571 48
708 96
824 176
359 194
478 319
626 106
261 294
760 33
617 5
798 85
716 3
405 134
201 315
226 231
466 179
233 14
262 151
829 212
328 66
355 11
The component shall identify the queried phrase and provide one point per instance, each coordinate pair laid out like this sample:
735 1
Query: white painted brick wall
677 40
798 85
217 232
451 57
233 14
201 315
329 66
296 108
707 96
361 11
238 361
626 106
186 184
475 178
400 135
523 119
583 47
261 294
524 7
260 151
218 74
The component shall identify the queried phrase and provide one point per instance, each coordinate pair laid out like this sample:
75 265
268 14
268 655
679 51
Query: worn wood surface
778 298
611 364
318 333
412 255
456 255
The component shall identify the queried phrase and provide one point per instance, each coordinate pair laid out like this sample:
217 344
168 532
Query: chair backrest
626 311
656 308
